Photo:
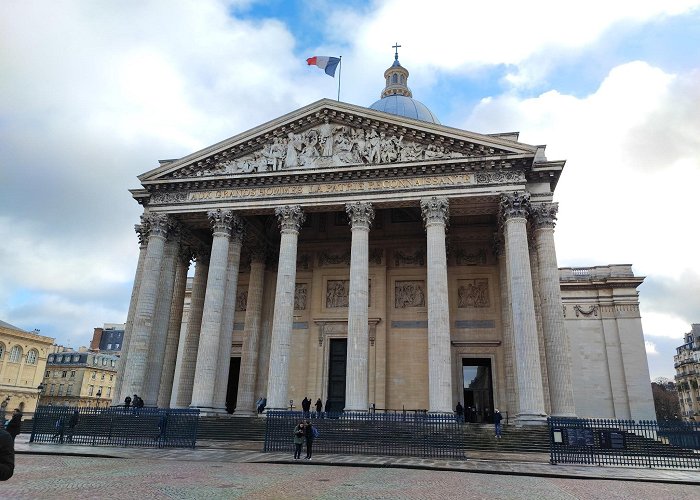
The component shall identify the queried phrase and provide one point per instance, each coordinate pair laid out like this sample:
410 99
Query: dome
401 105
397 98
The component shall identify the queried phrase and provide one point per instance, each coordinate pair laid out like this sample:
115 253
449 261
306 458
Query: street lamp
99 395
39 388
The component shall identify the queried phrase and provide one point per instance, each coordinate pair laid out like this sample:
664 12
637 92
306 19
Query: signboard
614 440
579 437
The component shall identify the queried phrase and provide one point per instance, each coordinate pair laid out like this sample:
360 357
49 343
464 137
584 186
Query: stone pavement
529 464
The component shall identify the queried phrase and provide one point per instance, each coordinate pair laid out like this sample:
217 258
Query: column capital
290 217
156 224
141 234
435 210
220 221
361 214
515 205
544 215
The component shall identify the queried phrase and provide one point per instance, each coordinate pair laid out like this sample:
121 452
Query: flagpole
340 71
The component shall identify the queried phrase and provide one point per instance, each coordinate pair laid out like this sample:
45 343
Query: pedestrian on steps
497 417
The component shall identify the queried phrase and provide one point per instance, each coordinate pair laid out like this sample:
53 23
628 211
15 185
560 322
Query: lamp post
99 395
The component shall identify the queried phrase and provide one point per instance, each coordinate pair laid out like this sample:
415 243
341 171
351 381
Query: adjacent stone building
374 257
22 362
81 379
687 364
108 339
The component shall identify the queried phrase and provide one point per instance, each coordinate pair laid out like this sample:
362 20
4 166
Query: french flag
328 64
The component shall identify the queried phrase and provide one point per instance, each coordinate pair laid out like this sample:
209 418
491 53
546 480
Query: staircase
229 428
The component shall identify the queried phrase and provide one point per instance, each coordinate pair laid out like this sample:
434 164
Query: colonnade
191 370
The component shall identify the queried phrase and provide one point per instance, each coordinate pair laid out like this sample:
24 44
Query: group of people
470 414
304 432
306 407
137 402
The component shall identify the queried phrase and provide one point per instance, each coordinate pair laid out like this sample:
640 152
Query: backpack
315 432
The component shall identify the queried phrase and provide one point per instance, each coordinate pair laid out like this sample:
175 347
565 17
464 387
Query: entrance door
478 389
337 361
232 389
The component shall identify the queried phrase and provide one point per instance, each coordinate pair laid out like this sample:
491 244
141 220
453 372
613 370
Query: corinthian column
189 343
172 341
161 317
435 215
210 332
555 340
245 404
141 232
511 374
228 316
290 220
514 211
136 364
356 381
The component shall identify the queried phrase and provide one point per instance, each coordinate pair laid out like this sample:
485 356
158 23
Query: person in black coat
309 436
7 455
14 426
459 412
319 407
306 406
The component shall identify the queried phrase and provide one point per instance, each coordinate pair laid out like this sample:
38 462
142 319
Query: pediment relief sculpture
332 145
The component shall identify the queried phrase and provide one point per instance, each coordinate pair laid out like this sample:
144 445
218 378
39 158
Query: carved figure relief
333 259
473 293
590 311
337 293
409 294
327 145
241 300
300 297
402 258
471 257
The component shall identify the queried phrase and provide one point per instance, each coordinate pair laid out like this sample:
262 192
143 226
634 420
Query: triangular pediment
331 135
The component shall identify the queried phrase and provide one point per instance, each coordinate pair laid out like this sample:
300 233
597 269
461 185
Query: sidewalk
526 464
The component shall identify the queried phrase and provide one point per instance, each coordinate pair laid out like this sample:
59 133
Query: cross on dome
396 54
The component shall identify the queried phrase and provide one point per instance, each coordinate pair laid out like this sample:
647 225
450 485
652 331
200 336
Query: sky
93 94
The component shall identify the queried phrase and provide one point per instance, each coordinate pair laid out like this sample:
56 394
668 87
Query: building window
113 363
60 390
59 359
76 358
116 348
90 389
104 361
16 354
48 374
111 377
72 374
64 374
109 392
31 357
94 374
109 347
69 390
94 361
2 350
52 390
103 377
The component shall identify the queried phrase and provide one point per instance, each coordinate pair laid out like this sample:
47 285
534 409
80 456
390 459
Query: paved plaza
60 476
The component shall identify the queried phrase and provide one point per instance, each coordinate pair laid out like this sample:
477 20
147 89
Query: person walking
319 407
72 423
7 455
497 417
310 434
459 412
60 430
14 426
127 403
298 439
306 406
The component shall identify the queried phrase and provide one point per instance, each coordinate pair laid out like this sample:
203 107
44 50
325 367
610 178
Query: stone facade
687 363
79 379
381 261
22 362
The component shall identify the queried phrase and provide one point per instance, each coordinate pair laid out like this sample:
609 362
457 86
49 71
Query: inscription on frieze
473 293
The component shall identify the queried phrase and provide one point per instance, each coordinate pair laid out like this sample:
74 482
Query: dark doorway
478 389
337 361
232 389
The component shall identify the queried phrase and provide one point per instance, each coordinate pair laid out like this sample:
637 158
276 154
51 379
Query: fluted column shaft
228 316
356 381
555 340
435 215
506 320
161 318
137 360
126 339
189 344
514 210
245 404
174 326
210 332
290 220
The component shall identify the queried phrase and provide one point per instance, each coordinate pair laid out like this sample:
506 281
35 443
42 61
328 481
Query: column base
525 419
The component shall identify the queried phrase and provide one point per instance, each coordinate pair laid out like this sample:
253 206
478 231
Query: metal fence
116 426
414 434
645 443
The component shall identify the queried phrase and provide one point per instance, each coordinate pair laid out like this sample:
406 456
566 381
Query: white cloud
650 348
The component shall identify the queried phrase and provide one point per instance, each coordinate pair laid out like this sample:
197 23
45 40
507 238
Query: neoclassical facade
364 256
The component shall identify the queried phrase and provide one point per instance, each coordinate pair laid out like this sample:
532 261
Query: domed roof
397 98
405 106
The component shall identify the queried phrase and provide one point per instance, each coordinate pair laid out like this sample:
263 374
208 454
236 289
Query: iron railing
114 426
644 443
417 434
